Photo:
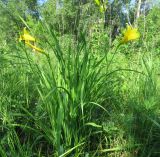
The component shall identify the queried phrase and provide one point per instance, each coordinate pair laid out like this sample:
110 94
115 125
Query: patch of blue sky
41 1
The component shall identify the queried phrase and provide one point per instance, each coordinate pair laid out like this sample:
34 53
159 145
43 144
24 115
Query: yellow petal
34 47
25 31
26 36
129 34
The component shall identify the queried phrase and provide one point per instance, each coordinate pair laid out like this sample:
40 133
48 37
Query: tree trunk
139 2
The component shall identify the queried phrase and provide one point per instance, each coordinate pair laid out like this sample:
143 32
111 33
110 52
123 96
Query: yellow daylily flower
130 33
35 48
26 36
97 2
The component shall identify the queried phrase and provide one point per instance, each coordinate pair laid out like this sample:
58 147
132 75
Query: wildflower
26 36
34 47
30 41
130 33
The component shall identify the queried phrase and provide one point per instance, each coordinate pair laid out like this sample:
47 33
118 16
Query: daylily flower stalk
129 34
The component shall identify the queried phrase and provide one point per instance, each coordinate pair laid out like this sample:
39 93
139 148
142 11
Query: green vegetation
73 85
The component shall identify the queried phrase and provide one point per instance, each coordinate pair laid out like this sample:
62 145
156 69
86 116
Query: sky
42 1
